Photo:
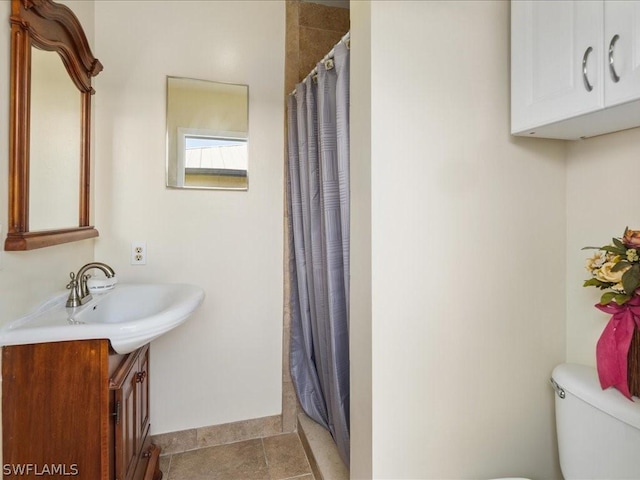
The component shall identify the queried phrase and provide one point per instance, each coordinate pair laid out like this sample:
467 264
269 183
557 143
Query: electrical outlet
138 253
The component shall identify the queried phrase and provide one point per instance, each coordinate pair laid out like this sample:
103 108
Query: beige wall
601 186
467 262
225 363
360 325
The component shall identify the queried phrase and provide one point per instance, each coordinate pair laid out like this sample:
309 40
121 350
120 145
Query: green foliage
615 250
631 278
594 282
621 265
619 298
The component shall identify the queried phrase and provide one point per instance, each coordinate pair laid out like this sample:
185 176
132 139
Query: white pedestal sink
130 316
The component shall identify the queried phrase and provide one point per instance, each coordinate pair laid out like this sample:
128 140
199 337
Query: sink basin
130 316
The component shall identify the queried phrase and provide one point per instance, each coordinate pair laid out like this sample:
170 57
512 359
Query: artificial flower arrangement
615 268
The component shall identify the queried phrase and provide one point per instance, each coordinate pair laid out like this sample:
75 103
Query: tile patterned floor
280 457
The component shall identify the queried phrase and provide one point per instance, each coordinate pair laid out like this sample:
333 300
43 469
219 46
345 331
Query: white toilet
598 430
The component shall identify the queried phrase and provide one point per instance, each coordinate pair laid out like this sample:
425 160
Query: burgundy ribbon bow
613 346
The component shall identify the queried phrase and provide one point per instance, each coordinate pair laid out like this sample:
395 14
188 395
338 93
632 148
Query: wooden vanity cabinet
76 409
130 404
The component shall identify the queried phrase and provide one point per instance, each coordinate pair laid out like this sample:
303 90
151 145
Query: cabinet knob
612 68
585 78
140 376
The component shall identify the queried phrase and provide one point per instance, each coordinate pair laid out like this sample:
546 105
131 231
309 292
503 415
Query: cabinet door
126 437
55 409
551 43
622 19
133 449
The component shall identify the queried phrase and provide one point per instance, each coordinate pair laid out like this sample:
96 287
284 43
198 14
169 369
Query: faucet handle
74 299
73 282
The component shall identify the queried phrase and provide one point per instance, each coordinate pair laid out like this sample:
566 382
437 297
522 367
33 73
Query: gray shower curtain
318 197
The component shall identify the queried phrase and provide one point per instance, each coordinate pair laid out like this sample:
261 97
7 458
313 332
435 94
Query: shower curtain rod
345 39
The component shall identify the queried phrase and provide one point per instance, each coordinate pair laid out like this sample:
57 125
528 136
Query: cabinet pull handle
612 68
140 376
585 57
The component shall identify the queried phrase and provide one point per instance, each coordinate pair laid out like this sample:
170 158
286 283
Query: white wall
601 186
225 363
467 252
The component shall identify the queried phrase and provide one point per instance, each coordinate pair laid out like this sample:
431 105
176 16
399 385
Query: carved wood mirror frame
49 26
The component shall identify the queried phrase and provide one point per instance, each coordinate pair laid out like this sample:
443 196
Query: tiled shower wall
312 31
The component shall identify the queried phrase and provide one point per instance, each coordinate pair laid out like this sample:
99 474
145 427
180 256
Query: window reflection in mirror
207 134
54 145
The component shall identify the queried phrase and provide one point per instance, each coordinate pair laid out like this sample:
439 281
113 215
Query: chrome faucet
79 294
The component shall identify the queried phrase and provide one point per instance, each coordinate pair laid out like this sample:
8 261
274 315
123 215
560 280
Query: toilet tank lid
582 382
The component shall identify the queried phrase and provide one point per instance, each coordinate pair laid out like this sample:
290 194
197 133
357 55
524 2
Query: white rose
604 274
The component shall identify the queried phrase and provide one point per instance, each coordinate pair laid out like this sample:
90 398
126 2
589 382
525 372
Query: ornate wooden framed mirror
50 132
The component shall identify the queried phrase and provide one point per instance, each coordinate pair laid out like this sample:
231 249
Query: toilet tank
598 430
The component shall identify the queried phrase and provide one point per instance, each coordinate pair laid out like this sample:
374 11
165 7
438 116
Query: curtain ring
347 42
328 64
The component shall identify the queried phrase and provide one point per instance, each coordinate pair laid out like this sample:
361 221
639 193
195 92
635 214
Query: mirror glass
54 180
207 134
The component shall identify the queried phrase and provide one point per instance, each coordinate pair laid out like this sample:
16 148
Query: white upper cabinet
575 67
622 37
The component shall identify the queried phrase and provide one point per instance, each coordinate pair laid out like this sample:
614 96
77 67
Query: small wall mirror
50 132
207 134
